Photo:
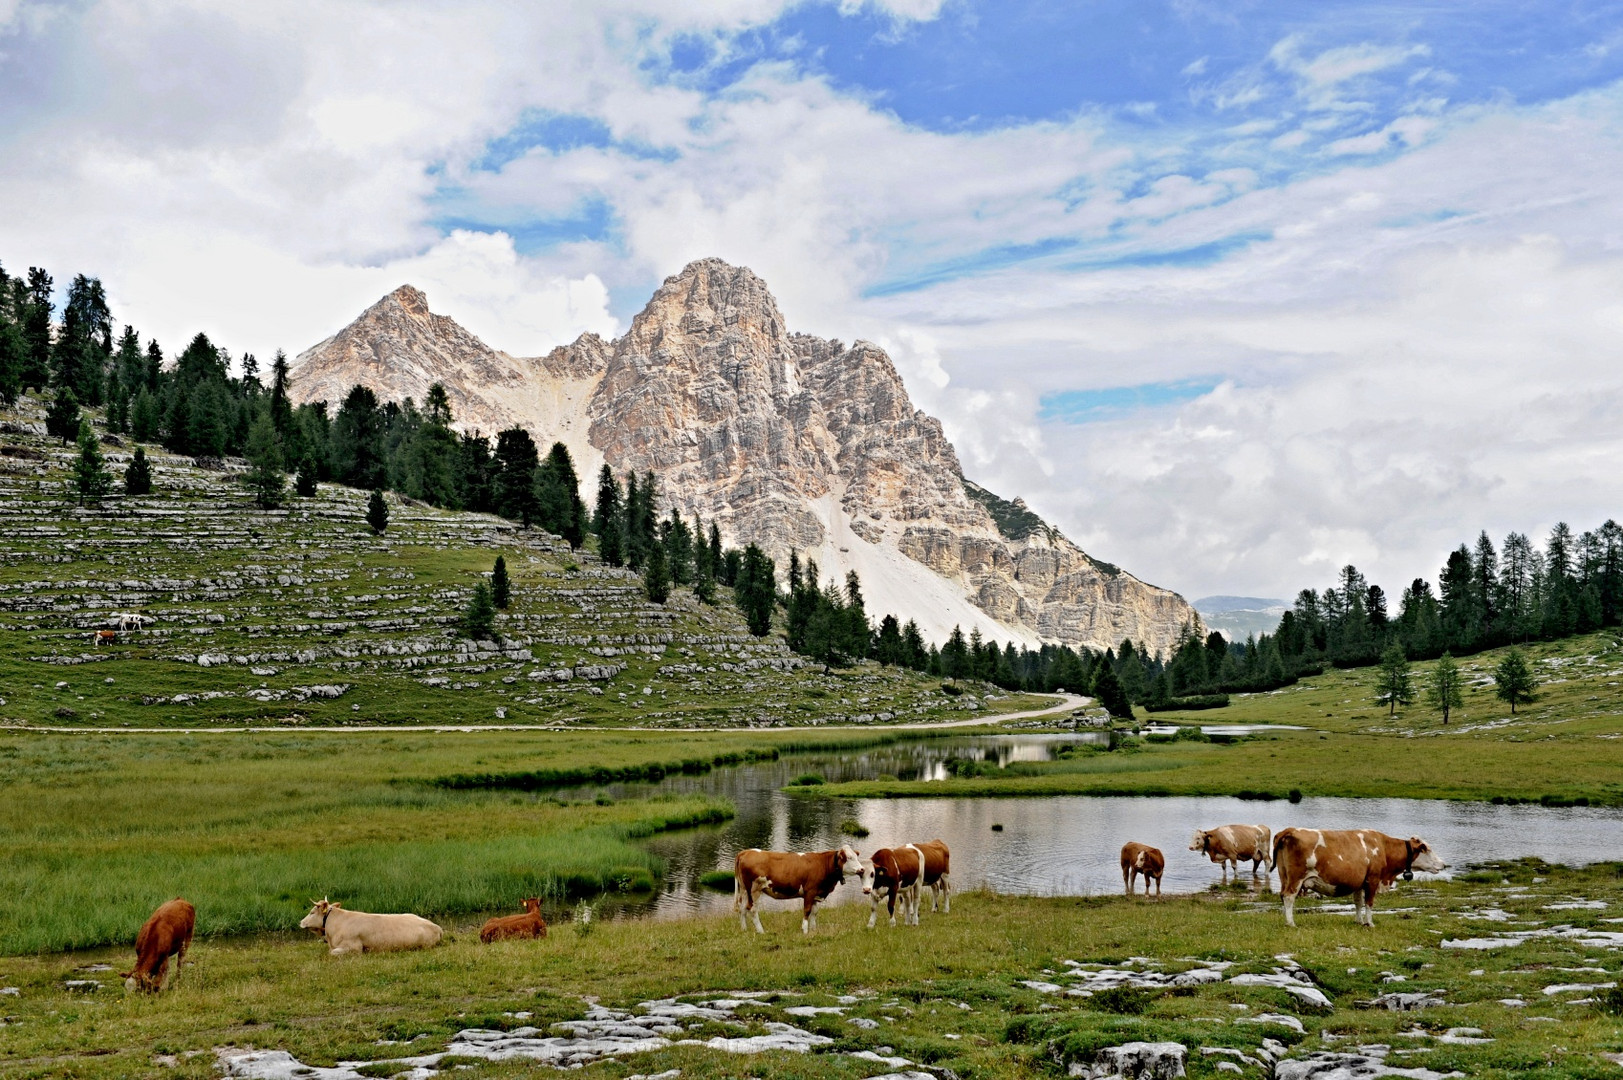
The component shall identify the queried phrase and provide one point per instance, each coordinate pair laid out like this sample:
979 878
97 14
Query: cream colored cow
360 931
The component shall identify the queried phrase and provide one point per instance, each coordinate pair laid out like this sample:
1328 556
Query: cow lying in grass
528 925
360 931
168 932
1356 861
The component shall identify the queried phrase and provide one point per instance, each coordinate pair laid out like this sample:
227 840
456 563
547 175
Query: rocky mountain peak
789 441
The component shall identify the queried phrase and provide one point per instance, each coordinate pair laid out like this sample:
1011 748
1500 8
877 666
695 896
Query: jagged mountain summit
786 440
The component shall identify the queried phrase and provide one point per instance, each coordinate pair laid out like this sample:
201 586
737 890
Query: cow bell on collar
1408 875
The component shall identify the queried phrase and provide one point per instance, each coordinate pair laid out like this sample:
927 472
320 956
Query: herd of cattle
1359 862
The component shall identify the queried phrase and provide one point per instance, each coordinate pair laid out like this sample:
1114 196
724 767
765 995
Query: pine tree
281 409
304 484
138 476
1444 687
1514 681
144 418
90 475
656 578
704 577
1394 686
501 589
889 649
35 318
756 590
1107 691
265 476
634 551
63 419
916 656
479 618
377 512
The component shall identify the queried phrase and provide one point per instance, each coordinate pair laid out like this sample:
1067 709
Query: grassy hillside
301 617
1565 746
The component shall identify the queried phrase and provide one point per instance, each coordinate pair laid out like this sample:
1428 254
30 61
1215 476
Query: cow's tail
1273 854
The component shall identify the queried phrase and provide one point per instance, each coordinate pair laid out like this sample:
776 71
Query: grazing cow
528 925
895 873
937 872
1232 845
168 932
1138 859
1357 861
105 637
360 931
784 875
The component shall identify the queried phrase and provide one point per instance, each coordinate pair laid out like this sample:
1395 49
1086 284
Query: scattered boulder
1134 1061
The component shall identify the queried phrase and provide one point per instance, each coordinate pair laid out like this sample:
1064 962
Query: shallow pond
1058 846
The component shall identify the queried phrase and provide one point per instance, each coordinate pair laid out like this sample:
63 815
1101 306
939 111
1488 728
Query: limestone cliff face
789 441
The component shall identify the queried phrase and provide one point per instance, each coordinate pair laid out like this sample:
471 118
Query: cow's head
1201 841
1421 858
883 863
851 864
136 979
317 919
532 904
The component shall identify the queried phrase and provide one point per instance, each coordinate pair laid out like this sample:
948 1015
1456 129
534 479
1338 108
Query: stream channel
1049 845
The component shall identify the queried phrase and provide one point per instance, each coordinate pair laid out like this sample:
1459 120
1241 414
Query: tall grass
86 895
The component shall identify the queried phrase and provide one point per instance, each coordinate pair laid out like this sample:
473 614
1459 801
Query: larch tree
1394 685
1514 681
90 476
1445 687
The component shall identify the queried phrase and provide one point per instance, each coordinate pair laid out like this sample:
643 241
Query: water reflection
1066 846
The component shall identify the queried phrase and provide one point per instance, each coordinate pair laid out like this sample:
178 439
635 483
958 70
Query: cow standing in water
937 872
1356 861
1232 845
785 875
1138 859
168 932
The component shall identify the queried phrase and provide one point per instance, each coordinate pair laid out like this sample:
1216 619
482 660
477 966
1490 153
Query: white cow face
1199 842
851 864
1425 859
317 918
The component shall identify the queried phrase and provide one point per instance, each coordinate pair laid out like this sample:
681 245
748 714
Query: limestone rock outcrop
786 440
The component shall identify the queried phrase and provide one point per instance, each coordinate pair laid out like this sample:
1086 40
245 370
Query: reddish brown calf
528 925
167 933
1138 859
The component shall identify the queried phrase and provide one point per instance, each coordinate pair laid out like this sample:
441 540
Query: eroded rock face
789 441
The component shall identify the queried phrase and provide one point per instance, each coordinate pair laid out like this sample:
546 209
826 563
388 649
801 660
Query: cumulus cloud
1404 313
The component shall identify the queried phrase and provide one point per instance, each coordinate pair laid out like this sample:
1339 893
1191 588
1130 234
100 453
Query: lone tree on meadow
1444 689
90 475
1514 681
1394 686
377 512
1109 692
479 620
62 419
501 588
138 476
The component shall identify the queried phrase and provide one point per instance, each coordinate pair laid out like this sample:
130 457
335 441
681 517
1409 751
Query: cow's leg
945 884
915 900
808 913
1290 904
1369 894
1157 887
1126 879
757 887
873 909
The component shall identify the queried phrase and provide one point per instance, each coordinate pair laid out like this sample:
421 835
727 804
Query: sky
1233 293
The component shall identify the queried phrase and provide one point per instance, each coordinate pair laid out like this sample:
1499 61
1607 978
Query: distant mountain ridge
1238 617
786 440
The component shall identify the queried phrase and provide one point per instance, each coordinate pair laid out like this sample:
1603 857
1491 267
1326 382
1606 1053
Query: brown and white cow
1138 859
1232 845
361 931
937 872
785 875
894 873
528 925
105 637
168 932
1338 862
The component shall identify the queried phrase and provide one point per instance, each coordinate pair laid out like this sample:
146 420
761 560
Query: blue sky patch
1088 406
592 220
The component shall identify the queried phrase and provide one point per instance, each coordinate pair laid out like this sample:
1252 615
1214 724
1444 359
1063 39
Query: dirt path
1066 703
